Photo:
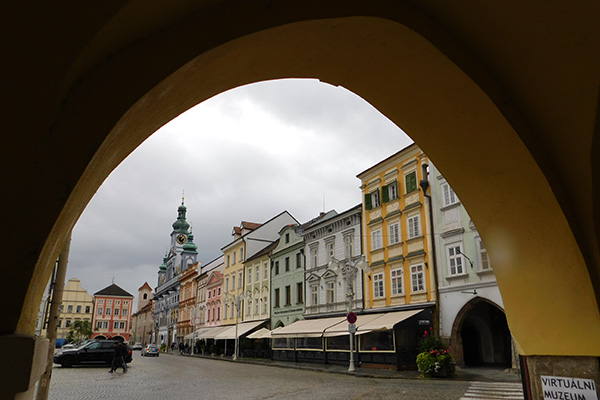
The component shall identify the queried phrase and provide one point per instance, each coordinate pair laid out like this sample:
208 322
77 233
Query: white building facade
470 305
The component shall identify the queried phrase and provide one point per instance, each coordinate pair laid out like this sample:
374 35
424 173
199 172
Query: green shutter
411 182
368 205
385 195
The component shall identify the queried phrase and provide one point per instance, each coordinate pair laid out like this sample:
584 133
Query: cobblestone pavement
182 378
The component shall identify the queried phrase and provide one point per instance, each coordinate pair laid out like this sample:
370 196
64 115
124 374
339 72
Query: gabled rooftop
113 290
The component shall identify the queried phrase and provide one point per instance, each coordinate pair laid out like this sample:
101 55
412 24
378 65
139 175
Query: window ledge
414 239
450 206
457 276
488 271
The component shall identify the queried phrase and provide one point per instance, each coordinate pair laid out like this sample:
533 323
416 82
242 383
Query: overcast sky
247 154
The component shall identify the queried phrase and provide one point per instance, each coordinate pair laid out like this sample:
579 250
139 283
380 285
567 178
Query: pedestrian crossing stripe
493 391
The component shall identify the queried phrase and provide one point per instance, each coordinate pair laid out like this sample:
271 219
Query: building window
348 246
376 239
226 284
241 254
124 312
378 291
287 264
240 279
277 298
70 309
108 301
233 261
299 293
98 325
116 311
455 260
231 309
484 261
265 305
330 293
232 283
288 295
108 310
330 251
298 260
99 310
392 191
266 271
396 281
78 309
287 238
417 278
209 294
256 305
249 275
411 181
448 195
218 291
314 256
414 227
225 310
227 260
276 267
314 295
375 199
67 323
87 309
395 233
116 325
249 307
104 324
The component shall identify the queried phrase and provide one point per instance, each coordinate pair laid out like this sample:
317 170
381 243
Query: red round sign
351 318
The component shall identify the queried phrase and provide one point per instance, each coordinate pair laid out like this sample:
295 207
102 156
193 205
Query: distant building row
405 259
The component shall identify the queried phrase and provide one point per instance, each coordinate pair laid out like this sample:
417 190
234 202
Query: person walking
119 357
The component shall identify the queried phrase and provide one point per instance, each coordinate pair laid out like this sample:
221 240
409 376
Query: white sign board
563 388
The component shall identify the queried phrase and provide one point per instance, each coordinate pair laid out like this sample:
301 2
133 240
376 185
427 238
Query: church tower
144 296
181 245
182 252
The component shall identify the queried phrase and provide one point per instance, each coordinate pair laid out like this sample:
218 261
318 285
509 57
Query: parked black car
93 352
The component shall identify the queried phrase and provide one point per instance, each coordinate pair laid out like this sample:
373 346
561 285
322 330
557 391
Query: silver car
150 350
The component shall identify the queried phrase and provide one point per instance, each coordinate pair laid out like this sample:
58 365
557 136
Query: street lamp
237 301
349 268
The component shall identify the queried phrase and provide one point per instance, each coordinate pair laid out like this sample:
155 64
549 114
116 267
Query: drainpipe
437 320
56 302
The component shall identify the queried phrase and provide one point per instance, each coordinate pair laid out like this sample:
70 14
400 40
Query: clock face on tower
181 239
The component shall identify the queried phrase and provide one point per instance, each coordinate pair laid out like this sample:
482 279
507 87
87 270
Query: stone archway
480 335
514 128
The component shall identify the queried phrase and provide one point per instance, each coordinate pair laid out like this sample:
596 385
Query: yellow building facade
257 284
186 319
77 305
396 231
233 281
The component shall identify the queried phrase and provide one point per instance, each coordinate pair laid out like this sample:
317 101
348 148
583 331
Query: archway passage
506 105
485 336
